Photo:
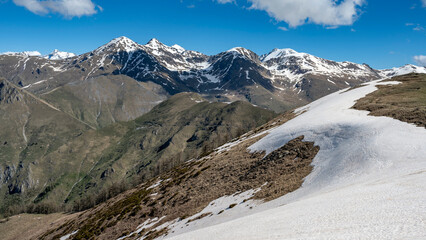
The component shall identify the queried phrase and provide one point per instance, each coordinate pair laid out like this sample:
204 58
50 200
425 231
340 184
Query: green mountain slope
48 157
30 129
179 129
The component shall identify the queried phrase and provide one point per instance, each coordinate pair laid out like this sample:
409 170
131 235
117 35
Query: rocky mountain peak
154 43
280 53
119 44
240 51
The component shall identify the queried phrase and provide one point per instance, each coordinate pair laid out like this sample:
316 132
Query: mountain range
279 81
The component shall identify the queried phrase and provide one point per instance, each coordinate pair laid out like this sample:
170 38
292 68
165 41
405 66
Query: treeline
91 199
48 207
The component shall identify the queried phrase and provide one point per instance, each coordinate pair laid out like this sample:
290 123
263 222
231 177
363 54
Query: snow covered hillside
367 183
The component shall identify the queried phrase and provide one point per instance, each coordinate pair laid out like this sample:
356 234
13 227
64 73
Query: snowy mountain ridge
280 80
55 55
285 64
281 63
23 54
397 71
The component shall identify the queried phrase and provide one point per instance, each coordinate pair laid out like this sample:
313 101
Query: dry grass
405 102
29 226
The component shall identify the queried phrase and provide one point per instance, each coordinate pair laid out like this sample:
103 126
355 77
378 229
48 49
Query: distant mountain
55 55
24 54
397 71
58 55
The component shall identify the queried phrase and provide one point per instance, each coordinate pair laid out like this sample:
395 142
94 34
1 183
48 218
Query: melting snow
222 209
66 237
30 85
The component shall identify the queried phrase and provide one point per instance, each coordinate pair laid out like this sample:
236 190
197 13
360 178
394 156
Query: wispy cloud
424 3
416 27
421 60
67 8
283 29
322 12
225 1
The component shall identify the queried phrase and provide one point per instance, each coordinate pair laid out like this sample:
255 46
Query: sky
381 33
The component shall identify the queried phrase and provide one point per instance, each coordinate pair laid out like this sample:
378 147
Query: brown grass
29 226
405 102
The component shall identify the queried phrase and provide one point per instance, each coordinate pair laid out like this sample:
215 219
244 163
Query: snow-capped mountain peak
277 53
58 55
396 71
243 52
154 43
119 44
240 50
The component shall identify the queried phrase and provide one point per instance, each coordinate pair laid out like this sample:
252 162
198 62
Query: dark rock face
8 94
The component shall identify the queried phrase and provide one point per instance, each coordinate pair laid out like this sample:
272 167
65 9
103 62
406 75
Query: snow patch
66 237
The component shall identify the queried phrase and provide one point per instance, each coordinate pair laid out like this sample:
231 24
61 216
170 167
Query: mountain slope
72 85
30 129
90 165
181 128
365 180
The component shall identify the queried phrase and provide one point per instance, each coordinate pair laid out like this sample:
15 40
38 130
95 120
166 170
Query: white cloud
283 29
424 3
299 12
67 8
421 60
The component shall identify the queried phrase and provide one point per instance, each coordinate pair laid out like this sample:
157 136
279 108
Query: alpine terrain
133 141
349 165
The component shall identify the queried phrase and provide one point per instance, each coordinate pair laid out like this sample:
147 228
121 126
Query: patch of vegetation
405 101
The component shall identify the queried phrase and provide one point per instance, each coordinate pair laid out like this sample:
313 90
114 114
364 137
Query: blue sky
381 33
